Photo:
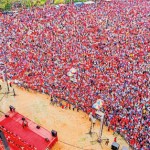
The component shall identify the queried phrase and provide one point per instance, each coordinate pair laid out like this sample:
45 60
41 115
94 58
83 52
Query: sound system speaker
38 127
54 133
12 108
115 146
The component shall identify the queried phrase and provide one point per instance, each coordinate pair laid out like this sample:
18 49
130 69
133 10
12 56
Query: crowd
107 44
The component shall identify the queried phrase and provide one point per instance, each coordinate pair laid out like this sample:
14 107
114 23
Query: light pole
101 128
101 114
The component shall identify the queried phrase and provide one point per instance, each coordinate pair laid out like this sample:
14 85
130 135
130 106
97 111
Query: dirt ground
71 126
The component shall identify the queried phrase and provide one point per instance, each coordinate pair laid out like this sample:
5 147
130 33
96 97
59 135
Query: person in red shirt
115 139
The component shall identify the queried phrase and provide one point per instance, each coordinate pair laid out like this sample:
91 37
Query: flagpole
101 128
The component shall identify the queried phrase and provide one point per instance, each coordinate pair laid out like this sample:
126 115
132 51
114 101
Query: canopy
98 104
89 2
78 4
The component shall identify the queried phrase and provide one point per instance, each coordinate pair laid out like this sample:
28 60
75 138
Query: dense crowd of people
106 43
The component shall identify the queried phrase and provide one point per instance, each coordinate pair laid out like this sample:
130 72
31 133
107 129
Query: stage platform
22 133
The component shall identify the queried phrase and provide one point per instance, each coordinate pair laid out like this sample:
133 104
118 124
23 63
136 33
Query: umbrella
73 79
57 6
70 74
73 70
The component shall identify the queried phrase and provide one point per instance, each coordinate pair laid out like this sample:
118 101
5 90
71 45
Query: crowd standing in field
107 44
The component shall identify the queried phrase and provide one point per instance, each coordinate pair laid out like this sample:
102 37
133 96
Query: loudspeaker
6 115
38 127
115 146
11 108
23 119
46 139
54 133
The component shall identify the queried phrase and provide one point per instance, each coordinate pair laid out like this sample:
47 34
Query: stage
27 136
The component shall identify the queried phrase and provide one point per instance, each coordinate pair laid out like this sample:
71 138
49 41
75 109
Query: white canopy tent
89 2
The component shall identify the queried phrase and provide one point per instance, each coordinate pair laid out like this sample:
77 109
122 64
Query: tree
5 4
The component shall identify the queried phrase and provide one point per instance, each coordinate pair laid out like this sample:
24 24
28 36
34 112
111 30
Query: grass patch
82 139
59 2
6 4
67 1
